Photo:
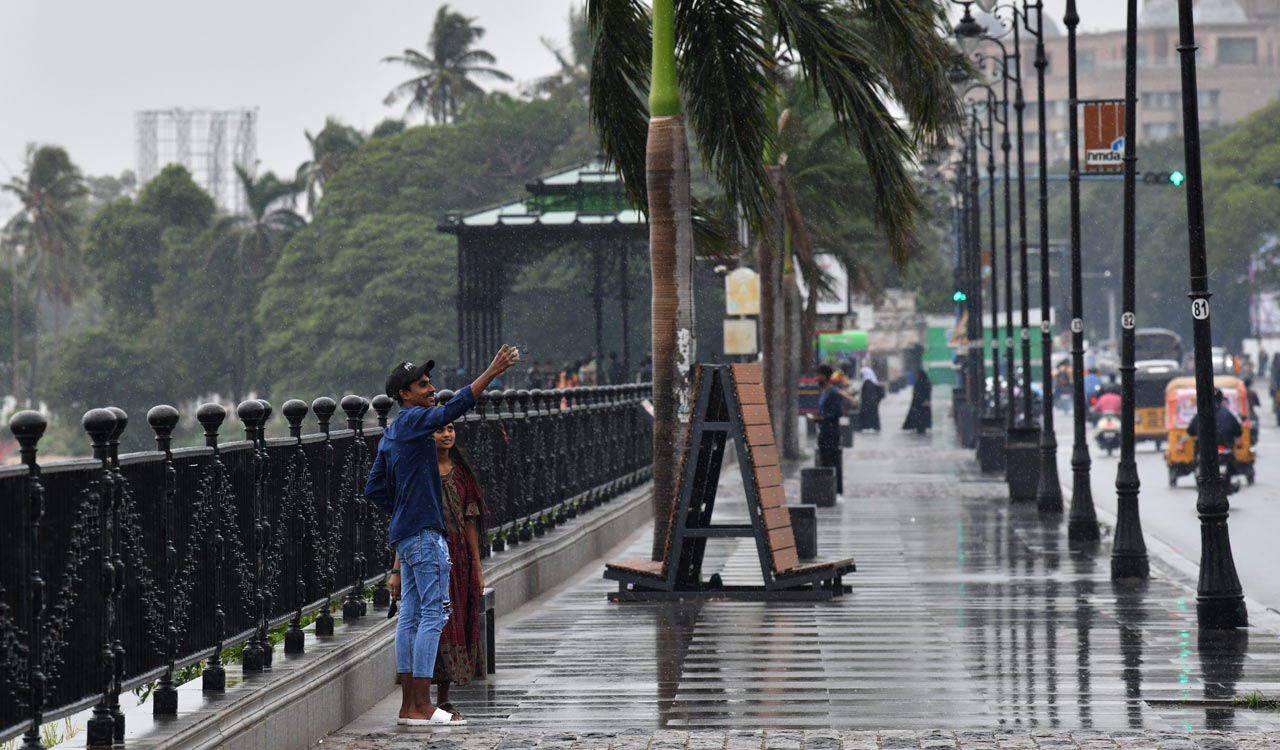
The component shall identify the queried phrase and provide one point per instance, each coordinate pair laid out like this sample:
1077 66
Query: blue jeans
424 600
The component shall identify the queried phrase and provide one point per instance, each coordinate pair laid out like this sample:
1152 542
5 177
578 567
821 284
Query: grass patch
1256 701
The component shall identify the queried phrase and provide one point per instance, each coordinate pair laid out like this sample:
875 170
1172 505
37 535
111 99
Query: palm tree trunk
809 322
35 348
789 414
15 321
671 264
772 319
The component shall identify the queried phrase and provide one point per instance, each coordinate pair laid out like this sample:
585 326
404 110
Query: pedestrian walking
869 409
828 419
405 483
920 413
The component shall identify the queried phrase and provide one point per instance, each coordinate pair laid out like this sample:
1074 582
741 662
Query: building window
1085 61
1208 98
1161 99
1238 51
1156 131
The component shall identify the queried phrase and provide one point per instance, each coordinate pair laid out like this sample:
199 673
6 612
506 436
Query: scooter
1107 431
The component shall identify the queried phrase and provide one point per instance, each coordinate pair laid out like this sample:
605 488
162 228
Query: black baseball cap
406 374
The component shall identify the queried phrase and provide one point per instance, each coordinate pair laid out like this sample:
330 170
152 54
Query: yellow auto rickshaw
1149 380
1180 407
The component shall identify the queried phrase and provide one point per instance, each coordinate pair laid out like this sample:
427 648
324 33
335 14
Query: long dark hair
459 458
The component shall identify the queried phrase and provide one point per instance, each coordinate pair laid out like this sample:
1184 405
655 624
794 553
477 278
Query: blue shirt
405 479
829 410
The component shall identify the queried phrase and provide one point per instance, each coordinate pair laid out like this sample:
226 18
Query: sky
76 71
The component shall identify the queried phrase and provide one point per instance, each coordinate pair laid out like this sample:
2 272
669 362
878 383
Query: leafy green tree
47 227
575 62
271 220
443 76
176 201
370 278
330 149
108 365
124 249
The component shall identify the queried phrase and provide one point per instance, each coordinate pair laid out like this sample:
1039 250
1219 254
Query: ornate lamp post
1023 444
1219 597
1048 491
1128 550
1082 522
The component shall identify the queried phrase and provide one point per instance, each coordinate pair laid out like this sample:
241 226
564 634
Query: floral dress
461 653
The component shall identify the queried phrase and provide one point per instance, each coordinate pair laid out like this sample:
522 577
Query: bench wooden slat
831 565
758 414
759 434
776 517
781 538
768 476
640 565
750 394
785 560
764 455
772 497
747 373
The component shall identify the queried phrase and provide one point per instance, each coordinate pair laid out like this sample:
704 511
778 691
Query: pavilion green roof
586 196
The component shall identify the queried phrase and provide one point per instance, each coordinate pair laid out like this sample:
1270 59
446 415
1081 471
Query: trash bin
846 433
804 527
818 486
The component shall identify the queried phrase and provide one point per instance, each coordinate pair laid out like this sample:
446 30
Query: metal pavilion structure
585 205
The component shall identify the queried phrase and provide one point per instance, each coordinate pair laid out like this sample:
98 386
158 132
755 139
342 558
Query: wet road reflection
966 612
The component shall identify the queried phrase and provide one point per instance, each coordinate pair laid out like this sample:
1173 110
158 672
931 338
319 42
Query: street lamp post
1082 522
1048 490
992 433
975 333
1129 551
1022 453
1022 438
1219 596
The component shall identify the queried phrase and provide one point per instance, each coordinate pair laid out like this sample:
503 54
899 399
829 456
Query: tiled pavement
967 613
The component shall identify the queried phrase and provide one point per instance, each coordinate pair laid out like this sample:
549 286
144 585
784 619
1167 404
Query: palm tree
271 220
48 228
330 150
443 75
854 53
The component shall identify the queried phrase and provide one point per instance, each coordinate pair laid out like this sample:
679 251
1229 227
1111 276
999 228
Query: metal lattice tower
209 143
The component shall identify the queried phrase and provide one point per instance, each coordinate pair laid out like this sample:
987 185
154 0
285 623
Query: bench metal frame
719 414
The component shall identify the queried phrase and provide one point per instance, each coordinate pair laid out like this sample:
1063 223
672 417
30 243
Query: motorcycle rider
1228 430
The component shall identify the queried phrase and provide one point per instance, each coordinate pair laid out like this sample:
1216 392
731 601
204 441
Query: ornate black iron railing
119 570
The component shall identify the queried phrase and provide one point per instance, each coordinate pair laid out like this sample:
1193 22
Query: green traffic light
959 296
1177 178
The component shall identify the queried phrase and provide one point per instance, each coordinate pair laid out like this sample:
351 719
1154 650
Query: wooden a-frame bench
729 402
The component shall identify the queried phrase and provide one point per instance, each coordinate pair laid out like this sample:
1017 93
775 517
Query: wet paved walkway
967 613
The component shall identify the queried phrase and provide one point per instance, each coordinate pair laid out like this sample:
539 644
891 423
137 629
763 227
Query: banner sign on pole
1104 136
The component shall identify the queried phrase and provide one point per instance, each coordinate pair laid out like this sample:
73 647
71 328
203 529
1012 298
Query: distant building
1238 72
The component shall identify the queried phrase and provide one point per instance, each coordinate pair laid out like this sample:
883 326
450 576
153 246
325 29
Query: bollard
1022 462
818 486
991 449
804 527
